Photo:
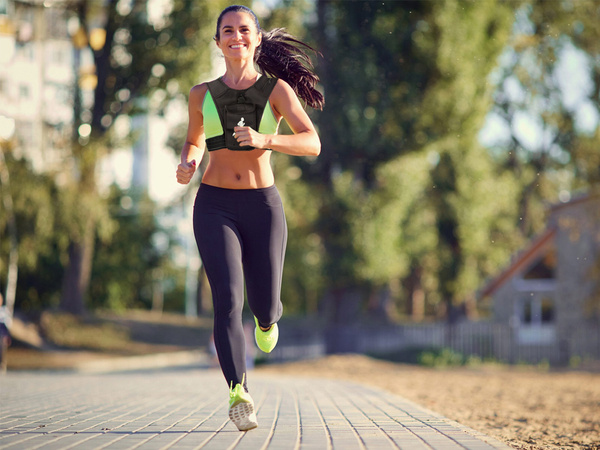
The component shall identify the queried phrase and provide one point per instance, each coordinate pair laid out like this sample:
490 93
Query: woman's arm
193 148
305 140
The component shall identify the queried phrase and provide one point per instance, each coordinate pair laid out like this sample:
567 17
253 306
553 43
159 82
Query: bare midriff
239 169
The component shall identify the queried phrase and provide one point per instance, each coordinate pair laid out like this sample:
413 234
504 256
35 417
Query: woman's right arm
193 148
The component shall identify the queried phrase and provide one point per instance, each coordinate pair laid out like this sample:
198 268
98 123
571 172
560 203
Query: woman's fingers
247 136
185 172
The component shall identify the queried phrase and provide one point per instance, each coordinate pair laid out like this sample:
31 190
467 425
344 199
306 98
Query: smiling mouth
236 46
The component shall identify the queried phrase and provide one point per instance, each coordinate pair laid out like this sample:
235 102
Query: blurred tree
293 15
126 264
303 277
402 79
133 48
365 46
34 198
470 199
6 200
547 103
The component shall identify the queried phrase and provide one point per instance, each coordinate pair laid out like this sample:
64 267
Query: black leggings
241 235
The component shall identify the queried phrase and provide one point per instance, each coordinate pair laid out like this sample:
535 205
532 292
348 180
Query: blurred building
37 79
549 294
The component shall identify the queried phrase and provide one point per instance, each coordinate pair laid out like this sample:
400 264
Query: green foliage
441 358
303 277
435 357
127 266
372 79
402 195
39 231
466 190
69 331
142 63
187 56
530 82
125 262
289 14
33 196
411 193
372 245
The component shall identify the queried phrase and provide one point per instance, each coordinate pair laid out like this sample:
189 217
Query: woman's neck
240 76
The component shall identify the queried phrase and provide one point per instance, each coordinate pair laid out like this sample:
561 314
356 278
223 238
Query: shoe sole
242 415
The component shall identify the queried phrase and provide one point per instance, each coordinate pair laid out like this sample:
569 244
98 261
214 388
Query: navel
238 176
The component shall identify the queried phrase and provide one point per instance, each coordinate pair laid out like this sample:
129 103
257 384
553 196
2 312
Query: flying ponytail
283 56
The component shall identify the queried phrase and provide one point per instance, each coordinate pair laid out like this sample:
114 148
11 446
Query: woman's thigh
265 238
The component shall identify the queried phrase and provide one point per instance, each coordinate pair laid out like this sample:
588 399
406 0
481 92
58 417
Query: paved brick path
187 408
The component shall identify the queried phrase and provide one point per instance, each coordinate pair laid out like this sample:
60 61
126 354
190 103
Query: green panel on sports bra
212 122
268 123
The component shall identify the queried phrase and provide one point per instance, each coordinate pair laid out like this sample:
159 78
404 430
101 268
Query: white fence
483 339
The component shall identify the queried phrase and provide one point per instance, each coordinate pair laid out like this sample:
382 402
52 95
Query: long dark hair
283 56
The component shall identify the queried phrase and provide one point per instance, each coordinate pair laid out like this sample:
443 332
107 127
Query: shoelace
233 392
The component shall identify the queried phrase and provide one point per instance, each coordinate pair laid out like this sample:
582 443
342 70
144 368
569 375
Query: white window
535 312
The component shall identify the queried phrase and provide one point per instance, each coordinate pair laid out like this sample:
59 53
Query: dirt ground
523 407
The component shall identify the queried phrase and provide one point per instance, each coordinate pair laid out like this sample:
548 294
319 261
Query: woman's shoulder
282 84
282 89
199 90
197 94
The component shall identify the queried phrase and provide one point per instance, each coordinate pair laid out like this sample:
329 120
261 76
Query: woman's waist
238 176
231 202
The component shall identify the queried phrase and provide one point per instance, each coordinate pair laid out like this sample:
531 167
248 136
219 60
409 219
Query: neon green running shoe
266 340
241 407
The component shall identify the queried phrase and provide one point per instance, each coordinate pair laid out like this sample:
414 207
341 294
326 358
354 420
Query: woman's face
238 36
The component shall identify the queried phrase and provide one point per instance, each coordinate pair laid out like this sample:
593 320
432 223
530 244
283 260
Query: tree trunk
158 296
13 257
415 306
78 272
328 139
378 304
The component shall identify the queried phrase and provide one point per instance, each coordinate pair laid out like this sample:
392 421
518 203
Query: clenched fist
185 171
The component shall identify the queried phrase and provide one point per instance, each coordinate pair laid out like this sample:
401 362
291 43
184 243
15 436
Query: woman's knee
268 314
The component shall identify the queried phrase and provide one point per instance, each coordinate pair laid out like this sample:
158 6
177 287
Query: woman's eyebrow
231 26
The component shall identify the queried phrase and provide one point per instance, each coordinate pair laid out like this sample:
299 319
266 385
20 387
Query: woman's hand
247 136
185 171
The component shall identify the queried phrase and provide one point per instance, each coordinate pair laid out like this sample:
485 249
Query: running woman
239 222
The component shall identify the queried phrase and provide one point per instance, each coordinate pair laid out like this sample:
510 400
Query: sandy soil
526 408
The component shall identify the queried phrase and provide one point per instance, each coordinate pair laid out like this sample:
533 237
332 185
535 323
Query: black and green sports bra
224 108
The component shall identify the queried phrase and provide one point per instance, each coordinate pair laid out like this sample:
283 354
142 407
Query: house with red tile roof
549 294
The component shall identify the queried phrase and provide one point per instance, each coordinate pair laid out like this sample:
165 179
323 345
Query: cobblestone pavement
187 408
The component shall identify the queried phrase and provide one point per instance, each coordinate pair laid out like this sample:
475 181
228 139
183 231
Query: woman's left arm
305 140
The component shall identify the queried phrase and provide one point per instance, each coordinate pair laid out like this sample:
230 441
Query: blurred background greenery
449 126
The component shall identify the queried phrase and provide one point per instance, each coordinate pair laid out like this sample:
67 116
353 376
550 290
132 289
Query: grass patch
429 357
445 357
72 332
